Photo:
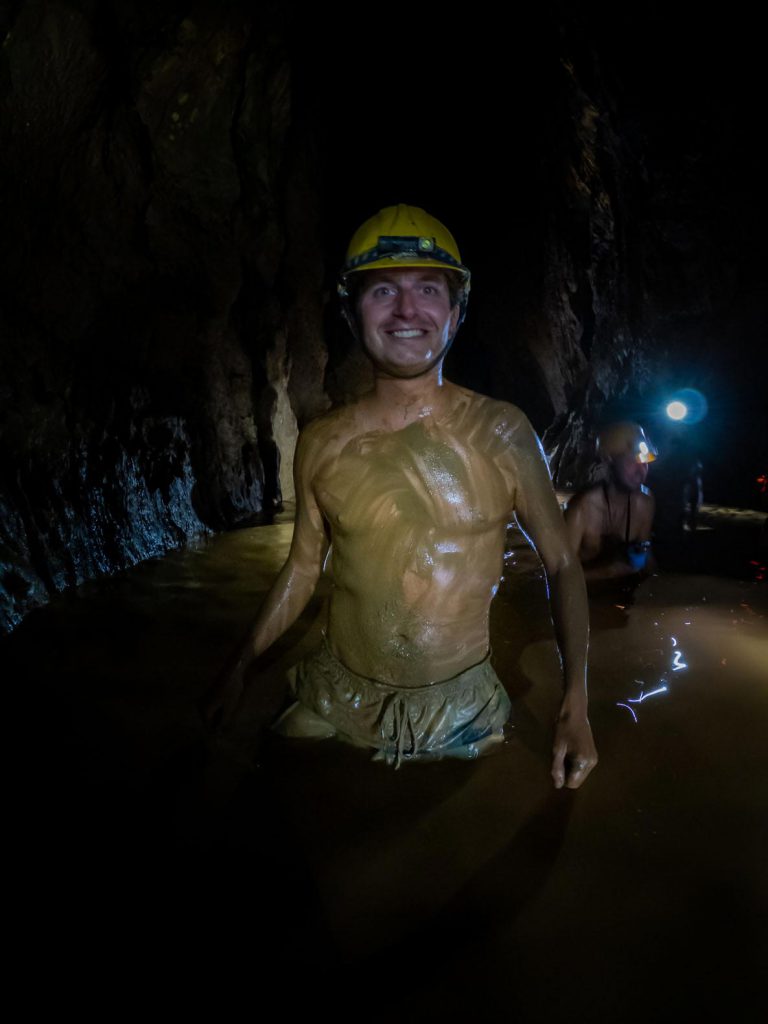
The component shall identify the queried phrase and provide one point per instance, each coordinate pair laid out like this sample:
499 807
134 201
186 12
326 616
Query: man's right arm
291 591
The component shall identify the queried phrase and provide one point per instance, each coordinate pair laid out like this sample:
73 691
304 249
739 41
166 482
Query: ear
455 316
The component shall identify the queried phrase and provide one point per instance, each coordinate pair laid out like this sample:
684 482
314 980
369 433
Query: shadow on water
156 855
495 894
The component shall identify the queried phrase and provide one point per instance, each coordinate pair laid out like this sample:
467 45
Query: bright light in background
677 411
687 406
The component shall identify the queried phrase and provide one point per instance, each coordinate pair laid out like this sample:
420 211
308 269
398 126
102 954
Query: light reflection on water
677 666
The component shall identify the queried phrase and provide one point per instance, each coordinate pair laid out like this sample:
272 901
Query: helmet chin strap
350 317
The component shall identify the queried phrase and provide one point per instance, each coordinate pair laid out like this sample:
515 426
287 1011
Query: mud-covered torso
418 519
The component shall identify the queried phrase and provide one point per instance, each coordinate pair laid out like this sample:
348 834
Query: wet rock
160 324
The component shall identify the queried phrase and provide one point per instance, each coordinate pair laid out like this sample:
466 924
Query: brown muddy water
156 866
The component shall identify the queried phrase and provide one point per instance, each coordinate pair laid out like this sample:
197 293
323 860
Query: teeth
408 334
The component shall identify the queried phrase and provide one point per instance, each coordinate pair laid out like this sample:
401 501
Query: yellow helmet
403 236
625 439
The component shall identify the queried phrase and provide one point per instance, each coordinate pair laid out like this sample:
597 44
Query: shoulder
501 420
586 508
591 497
324 436
643 500
336 423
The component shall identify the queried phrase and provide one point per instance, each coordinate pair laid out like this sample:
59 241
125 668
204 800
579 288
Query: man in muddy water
415 483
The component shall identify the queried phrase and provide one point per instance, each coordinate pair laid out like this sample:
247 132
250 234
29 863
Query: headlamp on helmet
618 439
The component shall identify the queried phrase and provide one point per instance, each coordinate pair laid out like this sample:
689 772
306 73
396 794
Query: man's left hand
574 752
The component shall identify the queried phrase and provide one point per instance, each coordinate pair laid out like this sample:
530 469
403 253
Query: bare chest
416 478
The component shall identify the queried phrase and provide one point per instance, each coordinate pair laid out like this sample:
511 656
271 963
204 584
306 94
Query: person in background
693 495
609 525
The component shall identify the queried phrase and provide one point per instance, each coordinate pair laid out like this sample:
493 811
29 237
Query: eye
381 290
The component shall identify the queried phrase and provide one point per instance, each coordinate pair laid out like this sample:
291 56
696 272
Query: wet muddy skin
458 891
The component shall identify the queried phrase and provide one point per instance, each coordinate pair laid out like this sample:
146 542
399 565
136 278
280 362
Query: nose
405 305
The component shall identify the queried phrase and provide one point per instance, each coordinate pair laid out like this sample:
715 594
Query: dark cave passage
178 184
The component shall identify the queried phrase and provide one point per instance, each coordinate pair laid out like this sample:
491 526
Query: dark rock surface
155 206
179 181
637 265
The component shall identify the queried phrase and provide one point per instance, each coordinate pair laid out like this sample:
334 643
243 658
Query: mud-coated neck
403 400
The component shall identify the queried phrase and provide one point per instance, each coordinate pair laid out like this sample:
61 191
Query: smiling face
406 319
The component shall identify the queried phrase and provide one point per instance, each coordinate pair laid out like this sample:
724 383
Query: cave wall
647 260
619 252
160 326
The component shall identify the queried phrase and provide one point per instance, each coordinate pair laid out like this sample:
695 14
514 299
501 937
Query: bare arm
539 515
289 594
296 582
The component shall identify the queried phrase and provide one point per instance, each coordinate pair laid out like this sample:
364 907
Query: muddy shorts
460 717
